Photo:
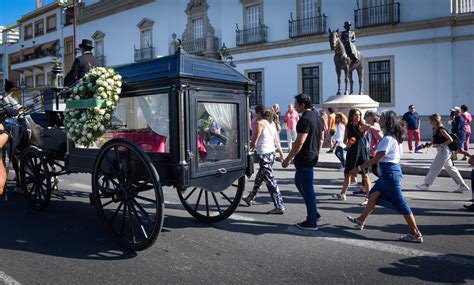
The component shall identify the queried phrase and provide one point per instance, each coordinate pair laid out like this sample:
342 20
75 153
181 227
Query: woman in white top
387 190
265 141
341 122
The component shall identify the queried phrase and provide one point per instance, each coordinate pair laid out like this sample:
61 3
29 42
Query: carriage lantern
56 80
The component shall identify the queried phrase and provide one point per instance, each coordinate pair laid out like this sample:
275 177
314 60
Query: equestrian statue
346 57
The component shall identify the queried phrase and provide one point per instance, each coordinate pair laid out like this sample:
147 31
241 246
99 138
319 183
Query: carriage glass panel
217 132
143 120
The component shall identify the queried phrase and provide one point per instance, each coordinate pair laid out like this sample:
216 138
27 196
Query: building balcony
144 54
37 59
202 45
251 36
307 27
377 15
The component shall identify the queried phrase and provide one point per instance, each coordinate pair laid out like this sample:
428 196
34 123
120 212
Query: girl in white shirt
341 122
387 190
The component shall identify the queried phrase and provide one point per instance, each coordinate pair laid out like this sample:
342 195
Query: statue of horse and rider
346 57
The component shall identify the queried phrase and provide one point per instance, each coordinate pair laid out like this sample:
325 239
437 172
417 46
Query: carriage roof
179 66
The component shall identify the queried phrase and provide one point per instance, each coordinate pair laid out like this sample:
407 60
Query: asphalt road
67 244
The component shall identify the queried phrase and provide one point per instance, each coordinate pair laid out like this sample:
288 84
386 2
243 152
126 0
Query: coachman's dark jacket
80 67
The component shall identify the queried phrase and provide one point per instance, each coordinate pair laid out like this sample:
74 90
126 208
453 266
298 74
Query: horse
343 62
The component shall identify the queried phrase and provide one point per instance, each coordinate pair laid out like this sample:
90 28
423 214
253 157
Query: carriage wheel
127 194
212 207
35 178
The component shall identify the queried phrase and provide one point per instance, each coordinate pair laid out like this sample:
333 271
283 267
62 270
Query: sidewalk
412 163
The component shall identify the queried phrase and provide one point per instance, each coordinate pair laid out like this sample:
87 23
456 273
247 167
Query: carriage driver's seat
49 139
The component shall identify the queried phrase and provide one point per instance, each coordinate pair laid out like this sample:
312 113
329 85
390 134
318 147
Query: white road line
384 247
437 196
78 185
241 218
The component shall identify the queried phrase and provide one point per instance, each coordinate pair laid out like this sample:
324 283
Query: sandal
412 238
358 224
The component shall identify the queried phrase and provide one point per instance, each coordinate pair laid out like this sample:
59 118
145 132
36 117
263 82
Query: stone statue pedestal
343 103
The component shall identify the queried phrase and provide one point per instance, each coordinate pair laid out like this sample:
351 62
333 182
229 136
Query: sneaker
276 211
340 169
411 151
469 207
341 197
306 225
353 180
422 187
412 238
461 189
464 158
358 224
248 200
418 151
329 151
364 203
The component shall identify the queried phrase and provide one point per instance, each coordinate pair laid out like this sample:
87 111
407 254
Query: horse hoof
338 93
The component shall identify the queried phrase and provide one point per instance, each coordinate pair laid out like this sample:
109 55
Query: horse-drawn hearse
181 121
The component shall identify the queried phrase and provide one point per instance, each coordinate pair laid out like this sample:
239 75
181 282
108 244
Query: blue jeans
339 152
390 188
304 183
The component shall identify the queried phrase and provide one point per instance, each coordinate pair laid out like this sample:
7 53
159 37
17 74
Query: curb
406 169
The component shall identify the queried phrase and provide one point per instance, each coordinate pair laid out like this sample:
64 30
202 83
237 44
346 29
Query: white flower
101 128
107 116
94 127
102 112
115 78
89 85
105 84
74 90
100 89
116 97
110 81
118 83
108 103
109 87
118 90
89 135
77 97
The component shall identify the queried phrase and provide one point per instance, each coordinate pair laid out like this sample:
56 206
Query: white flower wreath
85 123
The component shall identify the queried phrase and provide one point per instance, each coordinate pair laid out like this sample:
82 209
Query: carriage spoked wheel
212 206
35 178
127 194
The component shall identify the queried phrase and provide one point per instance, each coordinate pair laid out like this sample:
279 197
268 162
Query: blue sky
12 10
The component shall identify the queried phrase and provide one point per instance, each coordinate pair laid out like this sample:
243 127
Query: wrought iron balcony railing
377 15
35 55
144 54
251 36
201 45
306 27
462 6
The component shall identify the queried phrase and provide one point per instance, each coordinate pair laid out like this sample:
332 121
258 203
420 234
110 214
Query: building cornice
40 11
451 21
106 8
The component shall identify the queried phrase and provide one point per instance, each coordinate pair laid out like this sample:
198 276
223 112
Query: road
66 244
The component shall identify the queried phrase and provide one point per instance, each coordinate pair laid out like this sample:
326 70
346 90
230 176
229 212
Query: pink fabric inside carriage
149 142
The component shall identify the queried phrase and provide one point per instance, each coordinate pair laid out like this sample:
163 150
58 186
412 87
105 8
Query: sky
12 10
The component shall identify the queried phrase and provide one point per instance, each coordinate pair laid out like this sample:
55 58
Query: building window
380 82
40 80
310 83
253 16
68 46
39 28
256 98
198 28
99 48
51 23
28 32
145 39
29 81
309 9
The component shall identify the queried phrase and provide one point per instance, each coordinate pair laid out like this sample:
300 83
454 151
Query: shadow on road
423 269
66 229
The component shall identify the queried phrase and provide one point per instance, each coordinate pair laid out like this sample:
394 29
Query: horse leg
346 74
338 72
359 75
351 81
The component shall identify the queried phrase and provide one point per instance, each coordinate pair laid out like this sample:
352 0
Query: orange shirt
332 122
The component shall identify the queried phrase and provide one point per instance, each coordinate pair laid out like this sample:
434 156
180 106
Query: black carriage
182 121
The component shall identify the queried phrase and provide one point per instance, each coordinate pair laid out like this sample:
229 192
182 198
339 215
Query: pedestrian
276 117
412 120
265 141
324 116
291 119
3 172
339 146
375 137
357 150
467 126
332 129
471 207
305 152
458 128
387 190
441 140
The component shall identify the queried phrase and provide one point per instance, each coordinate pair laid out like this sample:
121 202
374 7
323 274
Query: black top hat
347 24
86 44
